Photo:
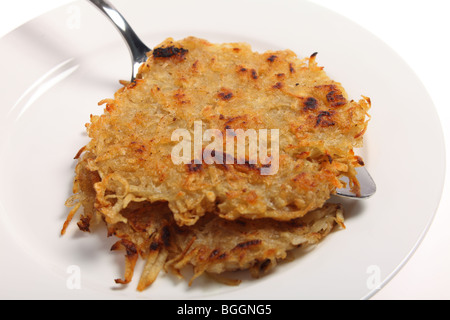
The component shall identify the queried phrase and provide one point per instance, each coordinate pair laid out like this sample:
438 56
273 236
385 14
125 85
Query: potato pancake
212 246
218 216
226 86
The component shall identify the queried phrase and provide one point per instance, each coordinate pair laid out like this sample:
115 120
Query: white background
420 32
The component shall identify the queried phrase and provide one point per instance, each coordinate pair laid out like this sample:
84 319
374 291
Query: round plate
57 67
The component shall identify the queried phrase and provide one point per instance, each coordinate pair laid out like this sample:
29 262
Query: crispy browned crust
217 217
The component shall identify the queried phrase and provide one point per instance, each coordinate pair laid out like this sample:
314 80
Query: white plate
55 69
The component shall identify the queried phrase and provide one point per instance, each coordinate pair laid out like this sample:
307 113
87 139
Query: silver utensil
138 52
137 48
367 186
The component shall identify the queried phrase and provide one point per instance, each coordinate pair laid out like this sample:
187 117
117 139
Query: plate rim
441 187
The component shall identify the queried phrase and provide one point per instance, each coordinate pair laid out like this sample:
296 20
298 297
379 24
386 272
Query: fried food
226 86
213 245
218 217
